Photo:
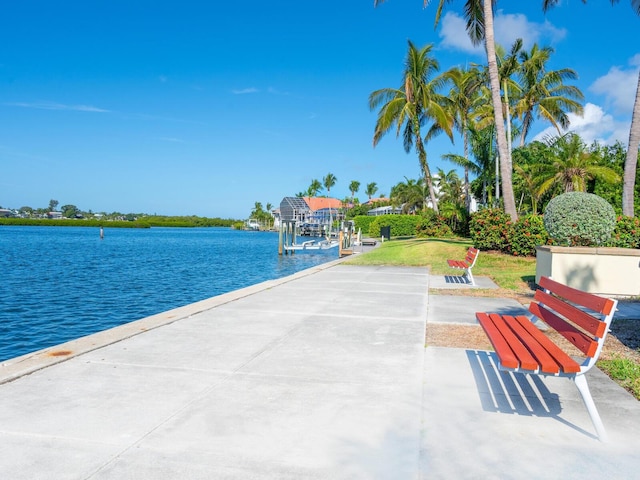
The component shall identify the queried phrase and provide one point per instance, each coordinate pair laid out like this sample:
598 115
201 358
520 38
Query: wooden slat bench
582 318
466 264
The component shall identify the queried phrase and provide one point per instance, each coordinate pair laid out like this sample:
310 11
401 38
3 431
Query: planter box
603 270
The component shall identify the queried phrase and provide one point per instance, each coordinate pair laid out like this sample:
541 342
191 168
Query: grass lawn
515 276
508 272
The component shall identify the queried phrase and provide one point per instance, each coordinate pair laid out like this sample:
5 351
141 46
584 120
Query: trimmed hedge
579 219
363 222
401 225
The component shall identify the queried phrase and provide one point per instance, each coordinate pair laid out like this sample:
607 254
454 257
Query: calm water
61 283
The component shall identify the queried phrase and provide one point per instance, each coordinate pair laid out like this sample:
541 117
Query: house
54 215
311 213
5 213
386 210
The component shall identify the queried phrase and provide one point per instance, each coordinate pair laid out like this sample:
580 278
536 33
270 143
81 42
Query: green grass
625 372
509 272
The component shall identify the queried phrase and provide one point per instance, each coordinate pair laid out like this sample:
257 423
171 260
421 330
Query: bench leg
470 277
583 388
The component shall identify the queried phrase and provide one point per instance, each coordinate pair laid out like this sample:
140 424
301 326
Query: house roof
318 203
376 200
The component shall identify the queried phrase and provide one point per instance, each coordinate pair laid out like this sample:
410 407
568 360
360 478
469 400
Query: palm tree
631 163
544 93
570 166
354 186
410 106
371 189
529 183
464 94
479 16
314 188
508 65
409 195
329 181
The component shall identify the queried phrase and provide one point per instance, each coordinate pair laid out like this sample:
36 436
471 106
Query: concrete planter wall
603 270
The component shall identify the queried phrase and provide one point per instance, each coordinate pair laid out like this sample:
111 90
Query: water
61 283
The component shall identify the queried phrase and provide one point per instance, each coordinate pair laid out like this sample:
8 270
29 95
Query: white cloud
619 86
594 125
58 106
244 91
275 91
454 34
507 28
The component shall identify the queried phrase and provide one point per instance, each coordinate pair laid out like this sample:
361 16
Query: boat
252 224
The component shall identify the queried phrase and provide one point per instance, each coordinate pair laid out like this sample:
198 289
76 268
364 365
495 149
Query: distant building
5 213
54 215
387 210
311 213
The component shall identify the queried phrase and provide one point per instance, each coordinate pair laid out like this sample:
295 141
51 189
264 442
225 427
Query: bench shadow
514 393
457 279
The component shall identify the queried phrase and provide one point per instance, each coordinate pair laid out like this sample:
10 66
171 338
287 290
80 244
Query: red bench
466 264
582 318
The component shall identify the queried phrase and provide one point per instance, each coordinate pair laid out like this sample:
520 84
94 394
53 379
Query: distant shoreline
145 223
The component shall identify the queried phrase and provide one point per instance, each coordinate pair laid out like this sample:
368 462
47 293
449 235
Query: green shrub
401 225
489 229
363 222
579 218
432 225
626 233
527 233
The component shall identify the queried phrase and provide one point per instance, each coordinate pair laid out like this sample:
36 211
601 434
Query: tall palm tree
329 181
371 189
479 16
631 163
508 65
464 94
409 107
544 93
354 186
570 166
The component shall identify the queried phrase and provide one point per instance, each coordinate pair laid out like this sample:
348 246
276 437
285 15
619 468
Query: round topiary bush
579 218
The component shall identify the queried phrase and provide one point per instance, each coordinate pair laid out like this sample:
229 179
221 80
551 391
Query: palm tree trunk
631 163
465 142
422 155
508 113
505 155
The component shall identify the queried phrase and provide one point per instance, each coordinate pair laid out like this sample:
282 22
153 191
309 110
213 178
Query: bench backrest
472 255
582 318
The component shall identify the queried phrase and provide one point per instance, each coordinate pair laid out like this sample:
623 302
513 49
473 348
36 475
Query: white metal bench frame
467 264
555 310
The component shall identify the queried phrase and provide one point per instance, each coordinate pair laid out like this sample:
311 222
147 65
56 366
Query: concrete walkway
320 375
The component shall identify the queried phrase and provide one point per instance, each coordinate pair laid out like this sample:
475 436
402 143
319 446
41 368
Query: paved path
320 375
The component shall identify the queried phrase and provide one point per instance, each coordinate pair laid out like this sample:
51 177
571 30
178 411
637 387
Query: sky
206 107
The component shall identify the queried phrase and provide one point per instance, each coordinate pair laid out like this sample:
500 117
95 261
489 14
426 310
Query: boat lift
289 232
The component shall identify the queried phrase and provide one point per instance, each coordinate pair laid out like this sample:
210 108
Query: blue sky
203 108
